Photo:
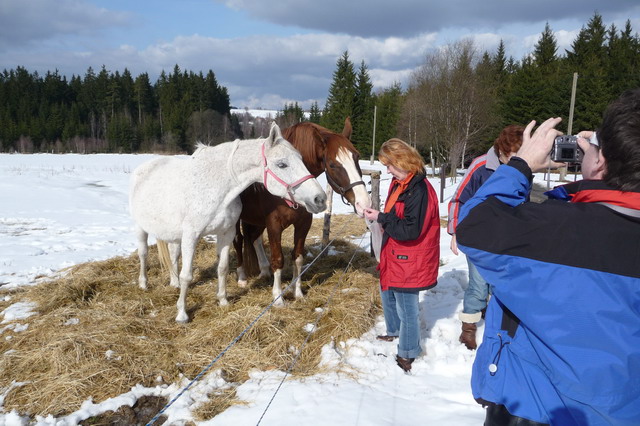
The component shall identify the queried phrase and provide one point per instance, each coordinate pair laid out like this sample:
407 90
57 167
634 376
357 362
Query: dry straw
97 334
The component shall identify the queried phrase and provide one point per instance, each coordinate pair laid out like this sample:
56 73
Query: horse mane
303 137
200 147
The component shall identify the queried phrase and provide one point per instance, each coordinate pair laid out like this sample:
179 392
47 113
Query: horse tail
165 258
249 255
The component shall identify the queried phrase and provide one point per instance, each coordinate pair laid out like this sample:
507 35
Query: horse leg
174 254
237 244
189 243
223 244
143 250
263 261
277 262
249 255
297 255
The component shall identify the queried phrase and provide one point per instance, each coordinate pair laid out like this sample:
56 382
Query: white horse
180 200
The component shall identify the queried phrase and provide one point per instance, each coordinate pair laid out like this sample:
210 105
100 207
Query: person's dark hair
509 140
619 139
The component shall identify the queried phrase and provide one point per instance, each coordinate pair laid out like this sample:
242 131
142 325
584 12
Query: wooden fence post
375 195
375 203
326 229
443 177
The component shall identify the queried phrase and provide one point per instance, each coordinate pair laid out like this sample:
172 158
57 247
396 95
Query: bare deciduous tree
447 105
209 127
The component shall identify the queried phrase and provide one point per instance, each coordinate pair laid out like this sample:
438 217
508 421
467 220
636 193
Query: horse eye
282 164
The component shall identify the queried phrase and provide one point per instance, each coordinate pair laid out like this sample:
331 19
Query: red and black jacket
410 254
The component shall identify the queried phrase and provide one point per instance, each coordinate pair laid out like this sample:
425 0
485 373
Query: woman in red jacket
410 253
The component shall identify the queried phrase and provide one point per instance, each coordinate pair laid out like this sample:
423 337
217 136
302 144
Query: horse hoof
182 319
278 303
242 283
224 302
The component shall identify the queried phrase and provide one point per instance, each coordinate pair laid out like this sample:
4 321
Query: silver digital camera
566 150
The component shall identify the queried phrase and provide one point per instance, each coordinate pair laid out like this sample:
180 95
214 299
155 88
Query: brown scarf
401 185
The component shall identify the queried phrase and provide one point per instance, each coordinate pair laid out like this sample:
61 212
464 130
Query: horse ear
274 134
346 132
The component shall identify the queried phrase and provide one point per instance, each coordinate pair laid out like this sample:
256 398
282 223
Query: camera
566 150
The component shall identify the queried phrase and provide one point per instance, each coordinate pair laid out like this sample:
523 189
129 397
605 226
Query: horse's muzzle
318 204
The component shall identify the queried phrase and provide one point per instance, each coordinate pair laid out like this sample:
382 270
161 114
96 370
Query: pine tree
314 113
388 103
340 102
623 60
291 114
553 87
362 119
587 58
540 87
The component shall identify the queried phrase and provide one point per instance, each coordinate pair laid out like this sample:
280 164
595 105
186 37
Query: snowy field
61 210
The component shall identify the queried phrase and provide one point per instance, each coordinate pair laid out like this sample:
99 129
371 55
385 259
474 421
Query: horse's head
343 169
286 175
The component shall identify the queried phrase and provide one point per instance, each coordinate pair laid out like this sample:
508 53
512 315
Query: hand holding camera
566 149
536 147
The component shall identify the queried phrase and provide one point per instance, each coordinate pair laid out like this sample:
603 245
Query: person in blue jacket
561 343
475 296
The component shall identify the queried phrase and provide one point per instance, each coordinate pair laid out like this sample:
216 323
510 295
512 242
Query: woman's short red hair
402 155
509 140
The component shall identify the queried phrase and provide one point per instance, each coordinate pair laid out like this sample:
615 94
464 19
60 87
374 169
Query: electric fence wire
311 331
243 332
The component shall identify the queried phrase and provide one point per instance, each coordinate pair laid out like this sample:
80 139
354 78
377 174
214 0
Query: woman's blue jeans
401 315
475 296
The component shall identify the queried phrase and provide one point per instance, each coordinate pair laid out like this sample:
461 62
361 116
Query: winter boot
468 335
404 363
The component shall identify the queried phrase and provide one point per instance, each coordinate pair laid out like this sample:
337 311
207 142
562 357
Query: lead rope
242 333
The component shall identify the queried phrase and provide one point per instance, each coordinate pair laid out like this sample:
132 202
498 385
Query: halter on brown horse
322 151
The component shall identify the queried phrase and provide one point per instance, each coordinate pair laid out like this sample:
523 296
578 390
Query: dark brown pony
322 151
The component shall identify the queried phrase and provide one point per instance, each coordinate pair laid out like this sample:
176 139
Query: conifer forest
452 108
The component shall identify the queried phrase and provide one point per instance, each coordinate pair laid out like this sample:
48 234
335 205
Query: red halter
290 187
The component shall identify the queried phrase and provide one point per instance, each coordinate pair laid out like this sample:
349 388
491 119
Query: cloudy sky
268 53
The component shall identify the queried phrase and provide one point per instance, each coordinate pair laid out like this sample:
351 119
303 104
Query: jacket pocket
408 265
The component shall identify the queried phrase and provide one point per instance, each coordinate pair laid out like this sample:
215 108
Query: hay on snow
96 334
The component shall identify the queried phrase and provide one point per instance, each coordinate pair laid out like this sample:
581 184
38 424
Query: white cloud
383 79
276 70
392 38
24 22
565 39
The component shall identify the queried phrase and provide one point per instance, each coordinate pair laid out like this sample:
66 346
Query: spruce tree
588 59
314 113
362 119
388 103
623 60
340 101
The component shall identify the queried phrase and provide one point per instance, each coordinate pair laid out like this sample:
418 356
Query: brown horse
322 151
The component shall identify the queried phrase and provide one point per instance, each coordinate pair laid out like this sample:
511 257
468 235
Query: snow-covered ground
61 210
267 114
262 113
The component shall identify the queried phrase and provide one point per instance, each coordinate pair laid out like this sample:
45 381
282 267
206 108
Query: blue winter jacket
562 331
477 173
